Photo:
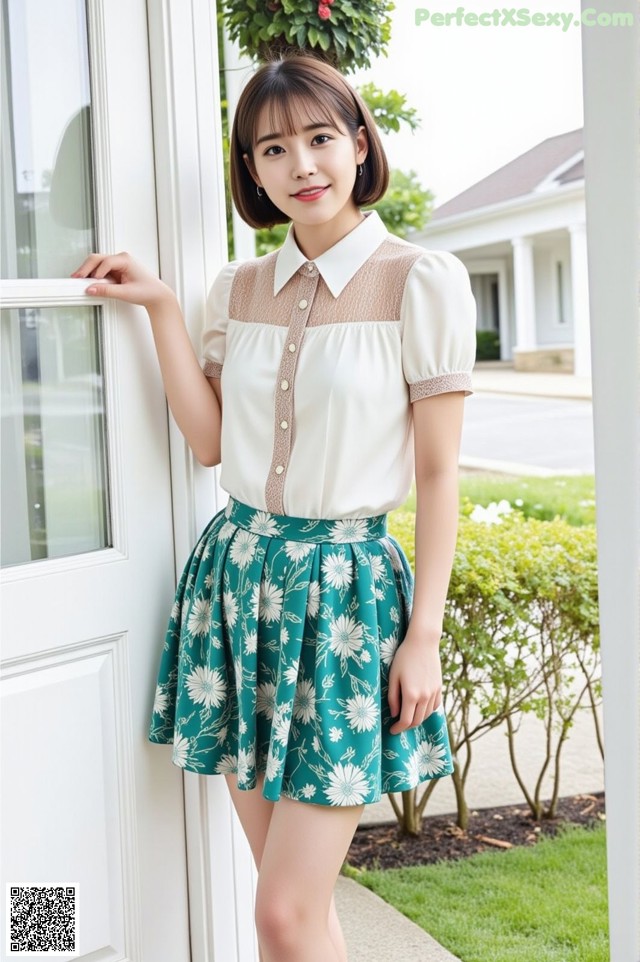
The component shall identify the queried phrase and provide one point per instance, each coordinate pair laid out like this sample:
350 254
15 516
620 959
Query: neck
314 239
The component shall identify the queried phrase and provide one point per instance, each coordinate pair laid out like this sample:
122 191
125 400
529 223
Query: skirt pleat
277 656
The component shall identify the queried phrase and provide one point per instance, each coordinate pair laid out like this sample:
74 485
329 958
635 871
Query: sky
485 94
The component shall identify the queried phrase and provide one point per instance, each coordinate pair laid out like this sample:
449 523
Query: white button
302 304
279 469
284 385
292 347
284 425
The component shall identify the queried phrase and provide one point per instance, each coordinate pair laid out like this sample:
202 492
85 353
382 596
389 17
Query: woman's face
309 175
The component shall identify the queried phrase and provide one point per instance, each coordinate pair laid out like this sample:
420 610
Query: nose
303 164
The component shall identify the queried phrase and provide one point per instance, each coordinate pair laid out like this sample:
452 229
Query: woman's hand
415 682
133 283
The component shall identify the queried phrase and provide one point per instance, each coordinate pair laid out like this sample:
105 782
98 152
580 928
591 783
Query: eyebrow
277 135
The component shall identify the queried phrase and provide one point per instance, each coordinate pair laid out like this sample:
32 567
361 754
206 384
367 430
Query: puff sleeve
217 318
438 324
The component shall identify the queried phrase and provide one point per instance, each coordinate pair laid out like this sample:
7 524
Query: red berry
324 12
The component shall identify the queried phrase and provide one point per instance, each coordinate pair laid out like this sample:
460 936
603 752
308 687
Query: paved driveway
519 430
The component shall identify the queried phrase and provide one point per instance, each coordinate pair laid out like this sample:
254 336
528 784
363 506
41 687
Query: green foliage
389 109
488 346
407 205
520 635
350 38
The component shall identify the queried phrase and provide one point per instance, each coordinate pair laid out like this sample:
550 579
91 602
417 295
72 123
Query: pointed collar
338 264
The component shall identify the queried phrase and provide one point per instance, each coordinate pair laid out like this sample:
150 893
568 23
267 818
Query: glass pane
53 468
46 190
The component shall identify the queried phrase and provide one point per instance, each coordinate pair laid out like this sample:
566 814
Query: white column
580 301
524 289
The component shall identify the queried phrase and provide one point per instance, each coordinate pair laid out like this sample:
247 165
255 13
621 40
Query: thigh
254 812
305 847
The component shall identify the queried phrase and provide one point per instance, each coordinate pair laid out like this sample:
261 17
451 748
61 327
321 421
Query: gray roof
520 176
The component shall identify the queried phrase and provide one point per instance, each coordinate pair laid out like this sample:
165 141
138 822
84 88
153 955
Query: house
521 232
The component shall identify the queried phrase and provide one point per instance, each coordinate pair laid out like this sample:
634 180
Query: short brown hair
322 89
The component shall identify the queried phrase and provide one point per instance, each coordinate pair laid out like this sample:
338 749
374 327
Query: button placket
283 414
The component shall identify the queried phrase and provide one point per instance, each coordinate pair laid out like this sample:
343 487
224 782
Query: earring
360 170
259 192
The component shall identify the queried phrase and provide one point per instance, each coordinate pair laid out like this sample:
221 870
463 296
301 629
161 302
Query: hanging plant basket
344 33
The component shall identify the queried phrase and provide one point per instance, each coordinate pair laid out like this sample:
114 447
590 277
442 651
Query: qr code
42 919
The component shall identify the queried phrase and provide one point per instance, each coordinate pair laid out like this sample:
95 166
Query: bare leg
254 812
304 850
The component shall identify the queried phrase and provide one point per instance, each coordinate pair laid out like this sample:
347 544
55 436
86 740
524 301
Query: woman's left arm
415 677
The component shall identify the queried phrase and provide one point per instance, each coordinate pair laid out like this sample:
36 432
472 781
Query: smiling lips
310 193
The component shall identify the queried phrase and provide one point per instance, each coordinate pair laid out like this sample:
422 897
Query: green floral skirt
277 659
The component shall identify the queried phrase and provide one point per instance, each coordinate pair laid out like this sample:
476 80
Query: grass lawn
570 496
545 903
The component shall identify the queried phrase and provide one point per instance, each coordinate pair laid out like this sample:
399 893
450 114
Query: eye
322 137
268 153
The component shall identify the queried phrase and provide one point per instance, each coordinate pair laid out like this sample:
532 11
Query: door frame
183 44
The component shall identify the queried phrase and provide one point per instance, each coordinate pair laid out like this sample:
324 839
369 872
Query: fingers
414 711
99 265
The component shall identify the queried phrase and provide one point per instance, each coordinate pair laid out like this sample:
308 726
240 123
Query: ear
251 168
362 145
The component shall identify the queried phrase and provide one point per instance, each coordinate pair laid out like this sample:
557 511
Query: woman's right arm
191 397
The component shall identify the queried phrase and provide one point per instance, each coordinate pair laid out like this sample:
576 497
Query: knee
280 919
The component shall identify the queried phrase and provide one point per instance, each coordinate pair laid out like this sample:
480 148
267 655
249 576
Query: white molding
611 78
550 181
193 248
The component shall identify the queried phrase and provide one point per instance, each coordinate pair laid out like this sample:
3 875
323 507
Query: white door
87 541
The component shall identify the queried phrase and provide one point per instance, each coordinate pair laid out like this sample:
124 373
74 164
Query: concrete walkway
374 930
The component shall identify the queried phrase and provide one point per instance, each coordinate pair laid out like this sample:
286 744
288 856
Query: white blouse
320 362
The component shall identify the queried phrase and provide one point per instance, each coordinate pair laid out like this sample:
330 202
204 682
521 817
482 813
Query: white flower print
263 523
284 635
431 757
396 564
338 570
200 617
208 580
379 593
222 734
227 509
246 761
274 764
313 599
335 734
365 657
270 601
309 790
388 647
180 750
199 548
242 727
349 785
362 713
291 673
175 610
394 614
377 567
296 550
412 765
304 705
346 636
349 529
207 551
230 607
227 765
316 743
243 548
206 687
250 642
160 701
281 723
226 531
266 698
